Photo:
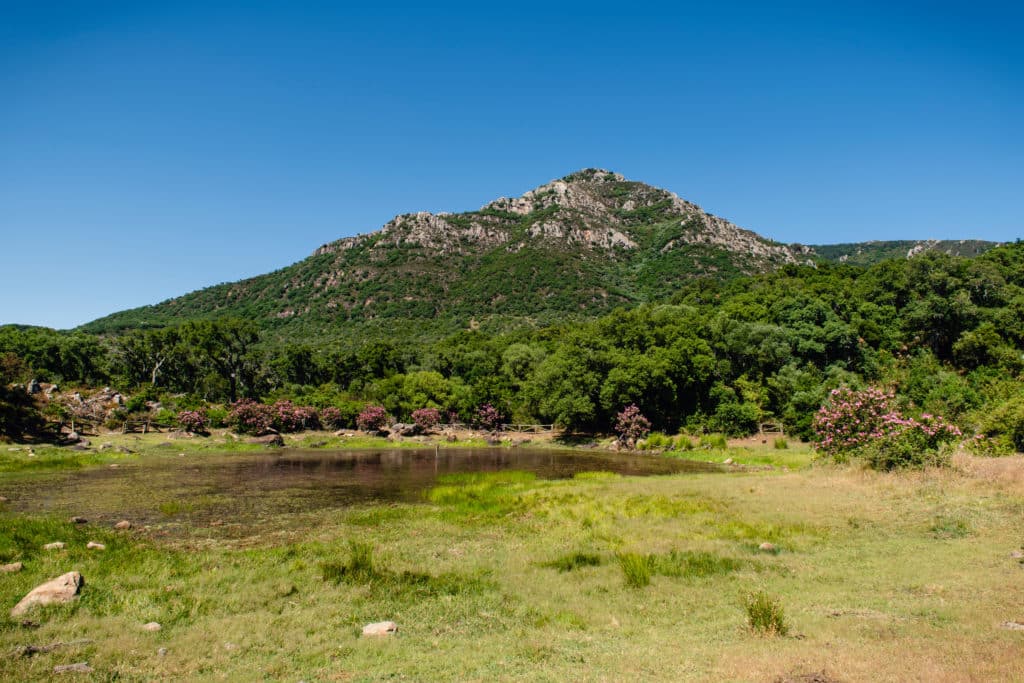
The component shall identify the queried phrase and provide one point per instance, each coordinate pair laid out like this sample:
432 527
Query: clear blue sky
150 149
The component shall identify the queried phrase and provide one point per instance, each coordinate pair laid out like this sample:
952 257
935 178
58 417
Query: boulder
270 441
78 520
33 388
404 429
56 545
11 568
380 628
93 545
123 525
62 589
151 626
767 547
76 668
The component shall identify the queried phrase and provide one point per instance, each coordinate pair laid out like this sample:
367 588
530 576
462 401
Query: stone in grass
56 545
93 545
767 547
380 628
1017 554
78 520
1013 625
11 568
62 589
123 524
76 668
151 626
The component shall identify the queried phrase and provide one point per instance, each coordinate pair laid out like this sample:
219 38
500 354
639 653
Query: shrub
1005 425
631 425
656 440
250 417
488 417
574 561
372 419
217 416
714 442
735 419
864 423
684 443
426 418
331 418
781 444
193 421
765 614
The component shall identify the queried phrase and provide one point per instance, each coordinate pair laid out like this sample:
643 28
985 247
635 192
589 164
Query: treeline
946 333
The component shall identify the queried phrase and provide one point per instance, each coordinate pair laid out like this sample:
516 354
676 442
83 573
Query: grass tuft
574 561
765 614
636 568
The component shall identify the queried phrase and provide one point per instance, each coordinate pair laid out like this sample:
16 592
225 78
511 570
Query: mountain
574 247
867 253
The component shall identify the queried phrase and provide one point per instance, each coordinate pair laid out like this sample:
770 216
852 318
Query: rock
73 436
93 545
56 545
62 589
33 387
77 667
106 446
404 429
1013 625
4 499
1017 555
11 568
122 449
727 461
162 651
767 547
270 441
151 626
123 524
380 628
78 520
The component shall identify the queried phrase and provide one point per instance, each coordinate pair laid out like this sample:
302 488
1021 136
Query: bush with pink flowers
488 417
866 424
193 421
249 417
373 418
631 425
426 418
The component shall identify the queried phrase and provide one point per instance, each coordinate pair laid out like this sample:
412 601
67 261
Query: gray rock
123 524
1013 625
64 588
76 668
56 545
93 545
270 441
11 568
33 387
162 652
78 520
151 626
380 628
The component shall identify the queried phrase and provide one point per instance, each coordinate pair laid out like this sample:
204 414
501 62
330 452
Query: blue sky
150 149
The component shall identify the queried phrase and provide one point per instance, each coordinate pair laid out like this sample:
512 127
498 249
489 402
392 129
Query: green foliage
765 615
780 443
636 568
574 561
1005 425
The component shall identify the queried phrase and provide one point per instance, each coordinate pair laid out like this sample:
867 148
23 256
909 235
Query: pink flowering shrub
291 418
865 423
249 417
372 419
193 421
631 425
488 417
332 418
426 418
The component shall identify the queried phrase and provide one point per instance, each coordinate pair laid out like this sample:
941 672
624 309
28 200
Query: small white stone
56 545
93 545
151 626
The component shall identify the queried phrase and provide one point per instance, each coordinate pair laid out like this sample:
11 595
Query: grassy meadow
871 576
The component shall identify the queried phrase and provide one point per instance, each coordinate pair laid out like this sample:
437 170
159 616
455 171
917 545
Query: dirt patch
816 677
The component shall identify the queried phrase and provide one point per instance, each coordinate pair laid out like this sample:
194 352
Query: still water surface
169 491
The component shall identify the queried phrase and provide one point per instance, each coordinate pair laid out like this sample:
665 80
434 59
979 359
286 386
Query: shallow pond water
170 491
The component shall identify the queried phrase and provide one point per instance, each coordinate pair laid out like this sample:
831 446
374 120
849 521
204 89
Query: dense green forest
945 333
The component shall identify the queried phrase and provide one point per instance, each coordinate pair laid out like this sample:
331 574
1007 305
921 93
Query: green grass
507 577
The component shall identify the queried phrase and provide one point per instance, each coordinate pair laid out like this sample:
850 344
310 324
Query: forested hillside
946 333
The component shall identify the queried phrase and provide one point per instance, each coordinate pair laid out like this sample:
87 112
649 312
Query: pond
173 493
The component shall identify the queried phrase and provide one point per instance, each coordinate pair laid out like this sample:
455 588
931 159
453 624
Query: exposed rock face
61 589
